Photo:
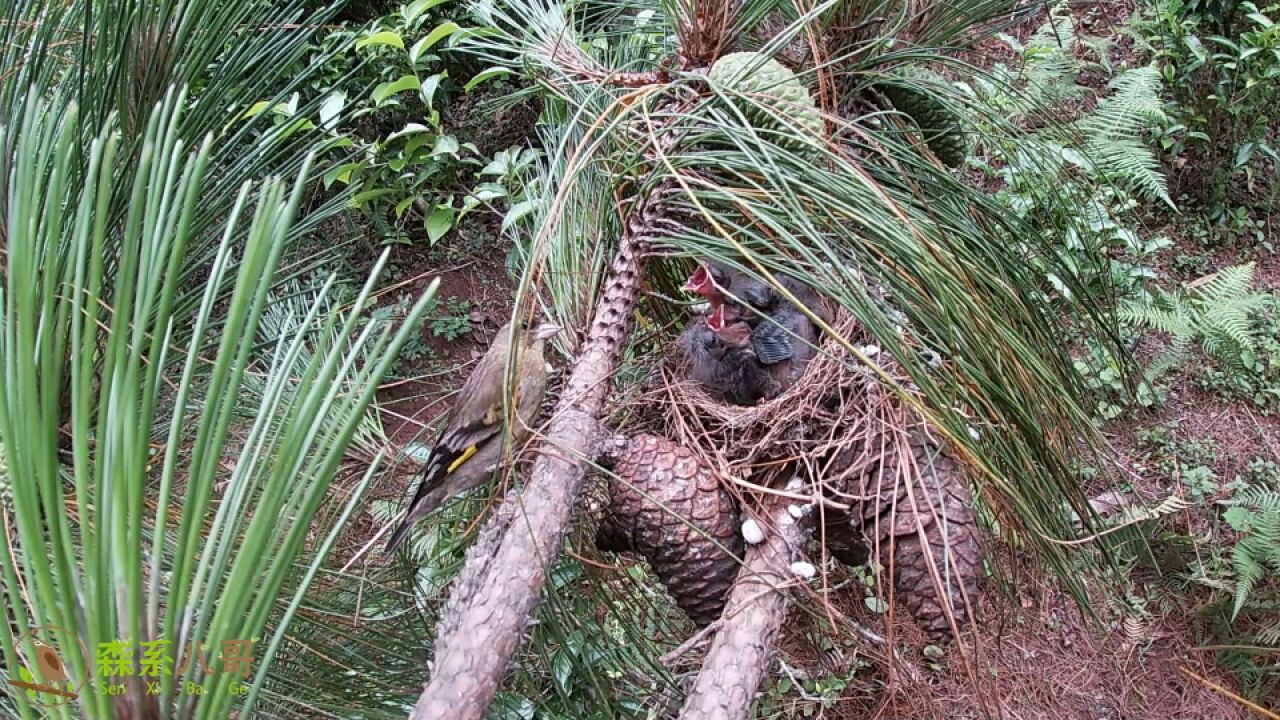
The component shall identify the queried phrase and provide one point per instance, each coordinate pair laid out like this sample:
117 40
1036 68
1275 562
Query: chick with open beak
721 358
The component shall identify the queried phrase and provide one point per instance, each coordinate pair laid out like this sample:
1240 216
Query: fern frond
1133 106
1175 321
1128 162
1269 635
1248 573
1219 309
1225 283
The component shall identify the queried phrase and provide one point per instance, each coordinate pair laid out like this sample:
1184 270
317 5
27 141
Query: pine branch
476 647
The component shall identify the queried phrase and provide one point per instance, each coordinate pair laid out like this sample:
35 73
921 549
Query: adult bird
721 357
473 444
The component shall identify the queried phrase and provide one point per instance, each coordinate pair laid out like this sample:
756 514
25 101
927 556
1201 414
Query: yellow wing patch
466 454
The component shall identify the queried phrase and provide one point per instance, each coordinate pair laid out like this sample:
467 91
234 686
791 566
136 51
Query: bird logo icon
42 673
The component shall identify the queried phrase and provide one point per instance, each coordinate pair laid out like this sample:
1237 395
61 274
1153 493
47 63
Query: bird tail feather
435 471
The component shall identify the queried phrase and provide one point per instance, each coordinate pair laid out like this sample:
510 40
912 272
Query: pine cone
944 506
662 490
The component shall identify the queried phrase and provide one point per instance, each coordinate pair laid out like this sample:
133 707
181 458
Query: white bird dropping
803 569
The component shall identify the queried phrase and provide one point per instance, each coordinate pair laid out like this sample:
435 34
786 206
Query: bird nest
824 429
840 440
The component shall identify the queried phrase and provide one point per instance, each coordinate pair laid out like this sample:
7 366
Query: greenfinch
472 444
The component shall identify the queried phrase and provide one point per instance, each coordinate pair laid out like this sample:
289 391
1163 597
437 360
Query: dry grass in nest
827 428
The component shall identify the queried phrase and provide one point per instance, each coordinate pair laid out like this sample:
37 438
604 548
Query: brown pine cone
944 508
661 492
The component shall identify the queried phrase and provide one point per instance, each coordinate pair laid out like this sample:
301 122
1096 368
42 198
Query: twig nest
837 433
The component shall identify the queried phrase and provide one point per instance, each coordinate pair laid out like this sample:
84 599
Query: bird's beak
696 282
715 320
546 330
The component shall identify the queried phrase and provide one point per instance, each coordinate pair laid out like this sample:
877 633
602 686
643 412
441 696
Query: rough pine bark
739 657
495 603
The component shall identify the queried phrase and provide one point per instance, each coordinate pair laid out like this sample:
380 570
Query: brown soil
1033 655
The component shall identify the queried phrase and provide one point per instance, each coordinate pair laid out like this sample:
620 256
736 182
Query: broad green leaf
429 88
445 145
411 11
497 166
256 108
1240 519
331 108
1196 47
486 74
387 89
362 198
415 142
439 222
341 173
334 143
408 129
402 206
386 37
1244 154
488 191
562 670
517 212
441 32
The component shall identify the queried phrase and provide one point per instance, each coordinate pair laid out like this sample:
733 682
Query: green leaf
411 11
562 671
430 86
387 89
486 74
1194 45
256 108
1240 519
439 222
517 212
1244 154
441 32
331 108
408 129
402 206
445 145
362 198
875 604
386 37
341 173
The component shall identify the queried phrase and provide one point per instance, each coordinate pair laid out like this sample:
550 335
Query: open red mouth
698 282
715 320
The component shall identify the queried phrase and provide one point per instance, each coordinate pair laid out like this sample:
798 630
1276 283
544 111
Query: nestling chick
472 443
722 360
783 337
714 280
